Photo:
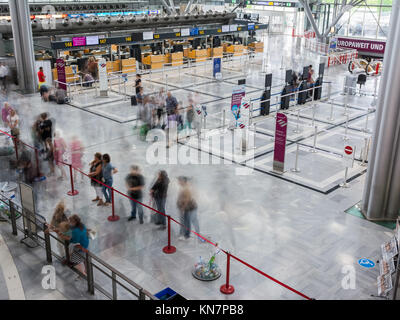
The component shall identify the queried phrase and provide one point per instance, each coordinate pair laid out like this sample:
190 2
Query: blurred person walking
96 173
187 206
108 171
135 183
5 112
58 217
41 77
45 129
159 193
59 150
76 152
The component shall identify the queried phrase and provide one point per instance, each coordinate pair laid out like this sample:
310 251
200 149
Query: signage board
148 35
362 45
217 66
103 83
61 76
348 156
79 41
238 94
225 28
366 263
185 32
92 40
280 143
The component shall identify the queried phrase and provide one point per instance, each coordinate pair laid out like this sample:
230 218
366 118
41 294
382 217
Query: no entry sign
348 156
348 150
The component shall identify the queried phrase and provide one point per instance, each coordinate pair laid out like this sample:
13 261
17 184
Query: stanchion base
72 193
295 170
227 290
313 150
113 218
169 250
330 119
344 185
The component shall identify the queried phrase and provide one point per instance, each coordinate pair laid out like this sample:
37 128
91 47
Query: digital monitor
194 31
304 76
92 40
79 41
250 26
288 76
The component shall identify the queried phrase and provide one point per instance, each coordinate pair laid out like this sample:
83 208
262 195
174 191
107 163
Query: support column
381 199
23 45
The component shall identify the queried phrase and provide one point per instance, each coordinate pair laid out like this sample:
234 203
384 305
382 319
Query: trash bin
169 294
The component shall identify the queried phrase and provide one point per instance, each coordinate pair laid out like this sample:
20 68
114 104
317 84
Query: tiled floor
289 231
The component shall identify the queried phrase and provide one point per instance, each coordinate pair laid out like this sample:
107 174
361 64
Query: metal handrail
89 256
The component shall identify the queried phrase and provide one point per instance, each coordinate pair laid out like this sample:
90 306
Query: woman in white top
13 120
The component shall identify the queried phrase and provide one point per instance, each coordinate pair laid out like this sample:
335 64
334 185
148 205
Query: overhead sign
61 76
148 35
370 46
79 41
280 143
366 263
92 40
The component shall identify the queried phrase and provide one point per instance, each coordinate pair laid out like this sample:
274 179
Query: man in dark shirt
135 183
45 128
171 103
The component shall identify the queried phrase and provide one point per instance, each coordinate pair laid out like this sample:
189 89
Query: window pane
383 30
370 22
356 22
341 26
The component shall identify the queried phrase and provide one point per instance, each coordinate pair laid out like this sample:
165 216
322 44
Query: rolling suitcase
133 101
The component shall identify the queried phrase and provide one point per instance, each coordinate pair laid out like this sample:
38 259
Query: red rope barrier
271 278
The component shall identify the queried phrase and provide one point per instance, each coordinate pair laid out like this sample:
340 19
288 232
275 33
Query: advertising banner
237 95
103 77
61 74
371 46
217 66
280 143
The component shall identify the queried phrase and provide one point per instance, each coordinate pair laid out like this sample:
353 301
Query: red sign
280 142
62 78
348 150
362 45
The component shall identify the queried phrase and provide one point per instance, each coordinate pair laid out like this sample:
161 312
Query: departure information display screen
92 40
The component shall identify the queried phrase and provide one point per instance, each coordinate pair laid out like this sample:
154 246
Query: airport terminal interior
199 150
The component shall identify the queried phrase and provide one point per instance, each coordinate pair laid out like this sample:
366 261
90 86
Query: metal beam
188 6
308 13
166 6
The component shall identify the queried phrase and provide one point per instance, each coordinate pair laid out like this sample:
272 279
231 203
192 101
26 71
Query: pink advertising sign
79 41
362 45
237 96
280 142
61 74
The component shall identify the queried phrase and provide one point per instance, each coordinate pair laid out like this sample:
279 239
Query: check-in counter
128 65
198 55
71 77
154 61
257 46
236 49
175 59
217 52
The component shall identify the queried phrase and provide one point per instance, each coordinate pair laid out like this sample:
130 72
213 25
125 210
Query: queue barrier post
15 147
227 288
113 216
72 192
169 249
